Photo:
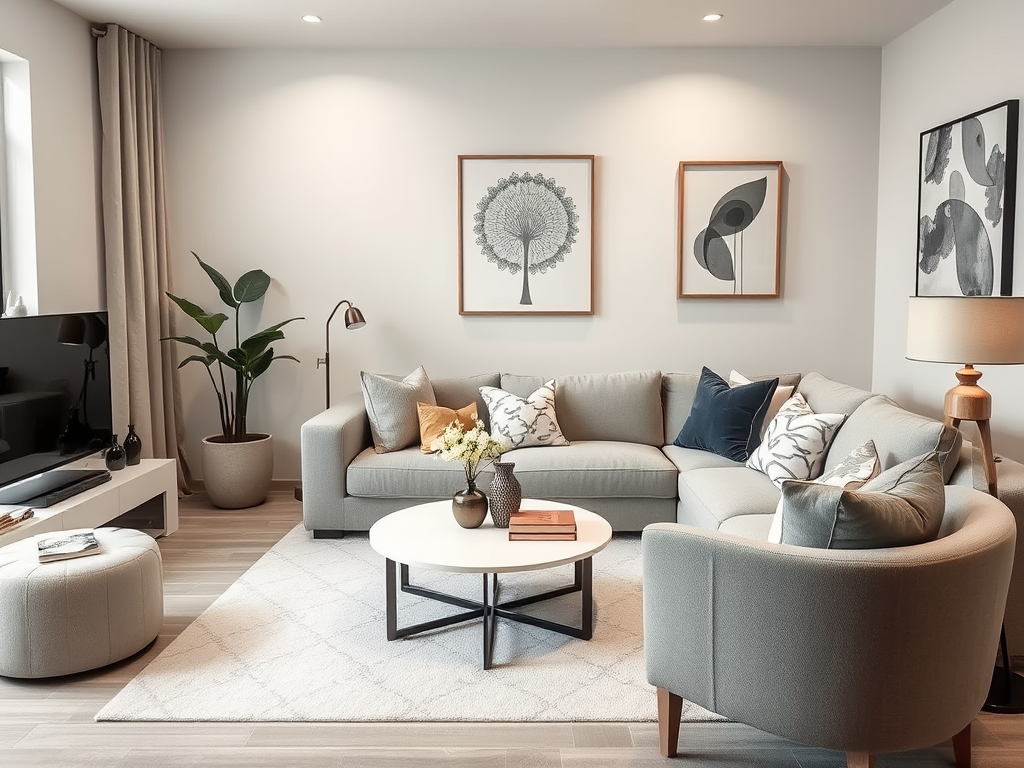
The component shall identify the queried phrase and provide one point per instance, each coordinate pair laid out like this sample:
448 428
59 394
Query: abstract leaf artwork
729 229
966 202
525 232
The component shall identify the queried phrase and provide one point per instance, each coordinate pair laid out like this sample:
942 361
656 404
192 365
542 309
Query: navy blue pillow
726 420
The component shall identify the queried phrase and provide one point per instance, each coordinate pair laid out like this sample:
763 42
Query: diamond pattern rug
300 637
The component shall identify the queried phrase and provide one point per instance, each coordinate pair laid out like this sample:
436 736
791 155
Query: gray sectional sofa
620 462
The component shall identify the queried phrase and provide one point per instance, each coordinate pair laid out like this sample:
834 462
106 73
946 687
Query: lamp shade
71 330
967 330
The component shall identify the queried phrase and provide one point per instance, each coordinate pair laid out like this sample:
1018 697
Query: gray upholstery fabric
748 526
686 459
834 648
72 615
590 469
900 507
709 496
827 396
623 407
524 386
329 441
407 474
391 407
457 392
898 435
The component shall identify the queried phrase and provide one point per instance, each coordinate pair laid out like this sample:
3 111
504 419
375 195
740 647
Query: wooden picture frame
966 204
730 229
537 208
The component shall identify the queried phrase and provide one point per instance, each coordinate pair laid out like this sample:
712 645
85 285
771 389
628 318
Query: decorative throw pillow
796 442
902 506
434 420
851 473
391 407
781 395
726 420
521 423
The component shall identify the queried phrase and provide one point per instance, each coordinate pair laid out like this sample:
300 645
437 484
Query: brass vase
470 506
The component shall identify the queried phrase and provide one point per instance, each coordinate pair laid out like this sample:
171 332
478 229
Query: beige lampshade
967 330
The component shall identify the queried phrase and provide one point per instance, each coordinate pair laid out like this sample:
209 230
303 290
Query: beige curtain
144 376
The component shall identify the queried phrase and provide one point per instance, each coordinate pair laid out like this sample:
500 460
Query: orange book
543 521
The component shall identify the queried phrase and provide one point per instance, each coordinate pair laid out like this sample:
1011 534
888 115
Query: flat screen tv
55 403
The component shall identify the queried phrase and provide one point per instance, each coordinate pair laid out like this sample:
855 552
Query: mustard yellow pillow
434 419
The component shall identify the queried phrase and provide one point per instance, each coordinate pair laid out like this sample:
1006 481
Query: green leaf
251 286
192 342
260 365
195 359
223 286
210 323
256 343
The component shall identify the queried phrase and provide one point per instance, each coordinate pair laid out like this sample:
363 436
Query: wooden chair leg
962 748
860 760
670 709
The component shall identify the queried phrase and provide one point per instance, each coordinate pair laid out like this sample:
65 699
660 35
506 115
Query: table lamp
969 331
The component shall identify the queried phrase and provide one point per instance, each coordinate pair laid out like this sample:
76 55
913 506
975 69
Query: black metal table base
489 609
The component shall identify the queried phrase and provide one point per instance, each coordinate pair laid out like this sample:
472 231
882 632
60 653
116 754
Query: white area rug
300 637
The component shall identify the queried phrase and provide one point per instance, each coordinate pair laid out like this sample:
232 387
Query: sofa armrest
329 442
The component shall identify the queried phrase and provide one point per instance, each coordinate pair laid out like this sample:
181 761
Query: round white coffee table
427 536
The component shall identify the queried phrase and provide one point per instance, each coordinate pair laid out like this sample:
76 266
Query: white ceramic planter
238 475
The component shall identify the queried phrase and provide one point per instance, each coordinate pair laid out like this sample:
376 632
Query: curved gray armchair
864 651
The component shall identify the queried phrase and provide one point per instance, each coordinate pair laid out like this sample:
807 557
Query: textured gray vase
238 475
506 493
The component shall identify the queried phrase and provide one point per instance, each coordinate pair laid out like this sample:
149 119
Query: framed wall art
967 195
730 229
526 234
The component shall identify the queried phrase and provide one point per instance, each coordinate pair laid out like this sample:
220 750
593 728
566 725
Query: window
17 191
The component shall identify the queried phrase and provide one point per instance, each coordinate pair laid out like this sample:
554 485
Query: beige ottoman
72 615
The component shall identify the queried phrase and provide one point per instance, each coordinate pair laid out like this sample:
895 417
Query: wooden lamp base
969 402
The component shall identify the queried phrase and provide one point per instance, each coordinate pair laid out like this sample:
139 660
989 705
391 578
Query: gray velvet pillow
900 507
391 408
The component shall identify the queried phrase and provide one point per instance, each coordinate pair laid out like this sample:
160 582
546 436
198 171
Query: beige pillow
391 407
434 420
782 394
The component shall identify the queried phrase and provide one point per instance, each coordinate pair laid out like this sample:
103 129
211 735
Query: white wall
966 57
65 113
336 173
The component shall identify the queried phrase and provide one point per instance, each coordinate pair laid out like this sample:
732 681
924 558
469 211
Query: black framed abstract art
526 232
966 201
730 229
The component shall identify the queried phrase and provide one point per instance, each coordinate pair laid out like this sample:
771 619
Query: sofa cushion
782 393
434 420
456 392
686 459
391 407
707 497
901 507
624 407
796 443
594 469
521 385
898 435
827 396
406 474
748 526
726 420
521 422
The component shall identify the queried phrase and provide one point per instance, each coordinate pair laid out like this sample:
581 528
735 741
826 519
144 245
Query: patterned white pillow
521 423
857 468
796 442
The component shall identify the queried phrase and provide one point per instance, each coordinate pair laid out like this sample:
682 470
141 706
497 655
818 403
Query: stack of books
67 544
542 525
13 517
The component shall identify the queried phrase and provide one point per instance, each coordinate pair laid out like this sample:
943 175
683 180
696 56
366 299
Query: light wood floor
50 722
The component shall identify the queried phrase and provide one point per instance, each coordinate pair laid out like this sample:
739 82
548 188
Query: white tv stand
146 493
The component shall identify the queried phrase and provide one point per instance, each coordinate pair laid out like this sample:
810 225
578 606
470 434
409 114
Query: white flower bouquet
475 448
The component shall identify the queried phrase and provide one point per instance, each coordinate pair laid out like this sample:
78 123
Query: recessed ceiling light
309 17
713 17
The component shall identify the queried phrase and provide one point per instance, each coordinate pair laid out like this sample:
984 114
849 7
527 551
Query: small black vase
470 506
114 457
132 447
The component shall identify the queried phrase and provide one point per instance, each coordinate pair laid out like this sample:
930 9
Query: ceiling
508 23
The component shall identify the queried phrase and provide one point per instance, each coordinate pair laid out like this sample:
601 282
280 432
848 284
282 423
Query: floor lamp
353 321
969 331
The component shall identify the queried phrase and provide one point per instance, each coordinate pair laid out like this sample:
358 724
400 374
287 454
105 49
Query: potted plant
238 465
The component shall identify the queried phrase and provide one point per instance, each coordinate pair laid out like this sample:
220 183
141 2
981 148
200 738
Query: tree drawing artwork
956 224
526 222
733 213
